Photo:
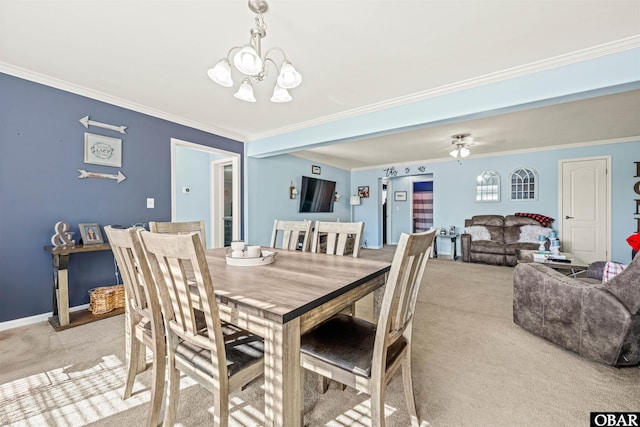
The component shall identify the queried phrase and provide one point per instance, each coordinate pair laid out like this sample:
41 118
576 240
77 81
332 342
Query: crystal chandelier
250 62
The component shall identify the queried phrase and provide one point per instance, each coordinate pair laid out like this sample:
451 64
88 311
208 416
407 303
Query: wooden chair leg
407 383
377 405
221 408
323 384
157 385
132 358
173 391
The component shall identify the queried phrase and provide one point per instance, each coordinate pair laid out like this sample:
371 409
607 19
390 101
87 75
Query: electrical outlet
151 203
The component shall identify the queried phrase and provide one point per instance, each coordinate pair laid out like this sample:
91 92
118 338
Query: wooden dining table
280 301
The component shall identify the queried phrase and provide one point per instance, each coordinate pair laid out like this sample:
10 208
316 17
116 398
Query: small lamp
292 191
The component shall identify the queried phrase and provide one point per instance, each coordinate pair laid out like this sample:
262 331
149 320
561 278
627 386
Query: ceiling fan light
247 61
280 94
454 153
289 77
245 92
221 73
464 152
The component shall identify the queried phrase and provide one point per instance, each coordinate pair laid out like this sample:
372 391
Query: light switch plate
151 202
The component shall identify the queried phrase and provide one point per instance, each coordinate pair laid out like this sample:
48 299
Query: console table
61 318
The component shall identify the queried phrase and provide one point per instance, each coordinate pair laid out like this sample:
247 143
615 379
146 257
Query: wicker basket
106 298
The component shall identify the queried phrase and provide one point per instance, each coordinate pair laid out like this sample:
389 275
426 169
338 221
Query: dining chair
220 366
291 231
338 237
144 318
366 355
184 227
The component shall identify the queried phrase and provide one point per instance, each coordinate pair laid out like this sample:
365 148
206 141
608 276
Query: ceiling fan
460 143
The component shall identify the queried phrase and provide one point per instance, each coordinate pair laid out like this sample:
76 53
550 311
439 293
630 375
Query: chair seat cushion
243 349
347 342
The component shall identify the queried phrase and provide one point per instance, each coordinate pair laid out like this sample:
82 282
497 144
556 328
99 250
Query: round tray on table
266 258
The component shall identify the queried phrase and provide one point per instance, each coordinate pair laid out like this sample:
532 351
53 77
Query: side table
61 318
453 238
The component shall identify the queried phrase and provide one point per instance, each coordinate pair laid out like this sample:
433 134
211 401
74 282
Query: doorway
225 202
585 208
422 206
203 181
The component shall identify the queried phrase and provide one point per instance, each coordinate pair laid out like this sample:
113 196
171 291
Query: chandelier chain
260 22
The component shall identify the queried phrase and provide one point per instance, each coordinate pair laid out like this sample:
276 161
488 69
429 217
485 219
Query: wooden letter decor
62 237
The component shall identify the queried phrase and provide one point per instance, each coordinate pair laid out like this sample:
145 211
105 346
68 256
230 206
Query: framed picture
315 170
363 191
91 234
400 196
102 150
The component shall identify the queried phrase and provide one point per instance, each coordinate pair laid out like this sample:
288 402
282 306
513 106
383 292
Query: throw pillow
530 233
478 232
542 219
611 270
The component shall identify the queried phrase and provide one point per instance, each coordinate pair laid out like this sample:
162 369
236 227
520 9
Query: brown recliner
598 321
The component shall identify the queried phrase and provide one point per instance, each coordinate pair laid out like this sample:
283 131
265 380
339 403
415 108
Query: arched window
488 187
524 184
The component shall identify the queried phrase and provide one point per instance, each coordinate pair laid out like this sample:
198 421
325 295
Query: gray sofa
500 248
599 321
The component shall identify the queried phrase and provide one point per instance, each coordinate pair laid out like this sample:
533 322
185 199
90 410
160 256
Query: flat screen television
316 195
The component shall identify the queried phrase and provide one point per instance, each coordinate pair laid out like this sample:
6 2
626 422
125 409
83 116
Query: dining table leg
282 375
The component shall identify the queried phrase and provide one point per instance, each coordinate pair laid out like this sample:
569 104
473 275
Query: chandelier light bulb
252 63
245 92
280 94
288 77
247 61
221 73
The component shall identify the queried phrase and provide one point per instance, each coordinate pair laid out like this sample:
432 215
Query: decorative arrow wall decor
119 177
86 122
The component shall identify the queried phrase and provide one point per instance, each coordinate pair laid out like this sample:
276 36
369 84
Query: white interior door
585 208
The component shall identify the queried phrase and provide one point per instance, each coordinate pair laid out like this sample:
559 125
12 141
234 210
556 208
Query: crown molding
35 77
621 45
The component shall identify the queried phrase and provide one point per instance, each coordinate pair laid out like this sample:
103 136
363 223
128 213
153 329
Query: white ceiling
353 55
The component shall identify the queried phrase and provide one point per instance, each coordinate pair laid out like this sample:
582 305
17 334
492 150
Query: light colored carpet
472 366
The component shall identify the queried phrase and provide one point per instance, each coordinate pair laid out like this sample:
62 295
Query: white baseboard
10 324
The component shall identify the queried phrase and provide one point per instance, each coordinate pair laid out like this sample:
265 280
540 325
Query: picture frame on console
91 234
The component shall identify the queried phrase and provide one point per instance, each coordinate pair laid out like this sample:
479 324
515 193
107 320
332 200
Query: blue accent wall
41 150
